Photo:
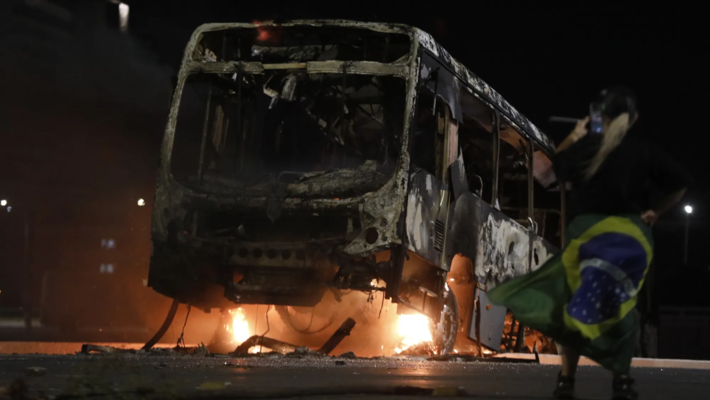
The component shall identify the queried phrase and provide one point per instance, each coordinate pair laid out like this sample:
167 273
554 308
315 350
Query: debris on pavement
269 343
470 358
36 371
89 348
419 349
201 350
303 352
292 349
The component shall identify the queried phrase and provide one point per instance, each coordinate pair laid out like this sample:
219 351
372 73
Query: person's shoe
565 387
623 389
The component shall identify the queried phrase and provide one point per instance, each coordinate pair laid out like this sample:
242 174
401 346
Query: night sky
545 60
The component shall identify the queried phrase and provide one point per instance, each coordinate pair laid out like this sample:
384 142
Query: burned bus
313 156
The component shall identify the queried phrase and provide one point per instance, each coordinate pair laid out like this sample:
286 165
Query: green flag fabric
585 296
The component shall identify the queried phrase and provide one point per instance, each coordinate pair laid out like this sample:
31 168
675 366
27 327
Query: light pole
688 211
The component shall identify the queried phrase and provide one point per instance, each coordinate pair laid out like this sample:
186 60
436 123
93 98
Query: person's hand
649 216
580 130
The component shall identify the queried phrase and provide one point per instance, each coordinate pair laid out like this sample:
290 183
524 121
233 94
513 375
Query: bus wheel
448 325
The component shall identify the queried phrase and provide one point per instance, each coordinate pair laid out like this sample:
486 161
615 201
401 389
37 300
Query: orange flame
239 327
414 329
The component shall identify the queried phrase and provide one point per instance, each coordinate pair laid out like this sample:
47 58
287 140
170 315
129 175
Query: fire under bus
314 156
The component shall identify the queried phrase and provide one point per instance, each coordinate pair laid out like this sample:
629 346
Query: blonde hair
614 133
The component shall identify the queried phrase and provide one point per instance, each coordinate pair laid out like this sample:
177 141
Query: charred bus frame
411 227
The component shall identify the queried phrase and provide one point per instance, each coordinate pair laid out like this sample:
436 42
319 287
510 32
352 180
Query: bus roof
426 42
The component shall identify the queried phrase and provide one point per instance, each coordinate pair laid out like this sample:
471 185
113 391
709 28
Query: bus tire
448 325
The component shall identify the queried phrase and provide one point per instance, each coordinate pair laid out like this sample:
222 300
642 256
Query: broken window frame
252 42
447 78
546 180
364 68
310 67
444 85
531 184
491 198
523 147
496 158
447 147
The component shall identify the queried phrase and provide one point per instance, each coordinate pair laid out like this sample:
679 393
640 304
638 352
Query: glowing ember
239 327
263 33
414 329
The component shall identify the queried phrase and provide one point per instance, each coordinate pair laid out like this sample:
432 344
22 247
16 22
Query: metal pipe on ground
338 336
273 344
283 347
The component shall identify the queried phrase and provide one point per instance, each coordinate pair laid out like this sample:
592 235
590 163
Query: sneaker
623 390
565 387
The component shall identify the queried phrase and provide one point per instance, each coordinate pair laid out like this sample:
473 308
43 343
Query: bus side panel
492 322
499 249
498 246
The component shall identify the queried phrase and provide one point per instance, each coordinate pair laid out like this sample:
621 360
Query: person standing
585 296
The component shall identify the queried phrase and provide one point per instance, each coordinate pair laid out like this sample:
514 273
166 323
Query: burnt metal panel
459 182
498 246
422 209
492 322
441 81
542 251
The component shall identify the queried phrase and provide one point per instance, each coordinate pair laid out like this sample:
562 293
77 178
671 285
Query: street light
123 12
141 202
688 211
3 202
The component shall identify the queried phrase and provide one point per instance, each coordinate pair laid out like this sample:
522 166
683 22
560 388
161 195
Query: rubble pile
419 349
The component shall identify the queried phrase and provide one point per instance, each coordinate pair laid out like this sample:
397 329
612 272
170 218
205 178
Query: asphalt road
322 378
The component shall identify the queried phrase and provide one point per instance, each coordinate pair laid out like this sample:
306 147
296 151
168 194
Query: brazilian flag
585 296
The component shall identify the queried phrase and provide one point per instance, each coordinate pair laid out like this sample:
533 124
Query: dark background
83 107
